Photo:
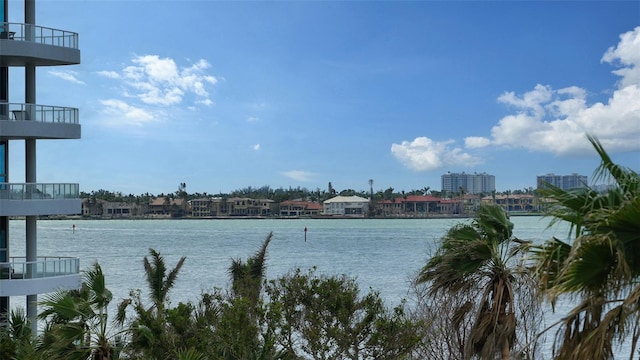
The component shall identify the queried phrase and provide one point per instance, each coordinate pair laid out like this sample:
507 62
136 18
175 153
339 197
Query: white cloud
627 54
423 154
205 102
67 75
161 81
298 175
556 121
253 119
122 114
530 101
256 147
109 74
474 142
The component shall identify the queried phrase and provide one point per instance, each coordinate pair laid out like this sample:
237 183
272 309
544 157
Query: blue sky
226 95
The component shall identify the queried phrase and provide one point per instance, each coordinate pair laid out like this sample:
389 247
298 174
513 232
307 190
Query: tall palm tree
150 335
158 280
600 266
476 263
77 321
232 325
247 276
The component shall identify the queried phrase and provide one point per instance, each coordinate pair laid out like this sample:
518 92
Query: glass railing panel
39 191
40 113
38 34
18 268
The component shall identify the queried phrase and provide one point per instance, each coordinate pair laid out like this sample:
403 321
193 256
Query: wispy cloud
298 175
122 114
423 154
67 75
161 81
109 74
473 142
256 147
556 121
151 83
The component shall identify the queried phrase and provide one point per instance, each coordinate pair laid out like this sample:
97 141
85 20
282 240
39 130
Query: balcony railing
39 191
18 268
40 113
38 34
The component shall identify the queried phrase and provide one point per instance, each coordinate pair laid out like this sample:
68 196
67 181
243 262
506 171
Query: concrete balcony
31 199
23 44
20 277
33 121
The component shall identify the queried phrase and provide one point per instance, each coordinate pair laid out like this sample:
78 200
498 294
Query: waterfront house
421 205
514 202
450 207
200 207
390 207
354 206
113 209
299 208
167 206
92 207
249 207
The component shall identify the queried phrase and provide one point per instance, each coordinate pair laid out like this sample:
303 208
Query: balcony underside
16 130
20 53
21 287
11 207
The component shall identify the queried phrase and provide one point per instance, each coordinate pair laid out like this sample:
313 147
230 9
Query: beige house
249 207
354 206
167 206
209 207
393 207
513 202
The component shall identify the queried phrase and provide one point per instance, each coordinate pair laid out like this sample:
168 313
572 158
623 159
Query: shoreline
321 217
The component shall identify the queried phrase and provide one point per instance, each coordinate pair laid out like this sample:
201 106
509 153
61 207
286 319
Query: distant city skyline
226 95
472 183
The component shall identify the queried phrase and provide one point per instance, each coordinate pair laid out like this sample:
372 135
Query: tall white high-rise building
564 182
475 183
26 46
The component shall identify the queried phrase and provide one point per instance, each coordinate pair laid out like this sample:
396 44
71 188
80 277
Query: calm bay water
381 254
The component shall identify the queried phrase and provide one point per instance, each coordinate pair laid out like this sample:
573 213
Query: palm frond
627 179
259 258
95 280
190 354
61 306
154 271
588 267
171 278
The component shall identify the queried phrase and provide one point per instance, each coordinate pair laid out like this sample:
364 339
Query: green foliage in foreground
297 316
599 268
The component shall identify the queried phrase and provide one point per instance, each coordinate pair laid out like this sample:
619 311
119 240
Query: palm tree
476 264
151 336
17 340
600 266
247 276
77 320
234 323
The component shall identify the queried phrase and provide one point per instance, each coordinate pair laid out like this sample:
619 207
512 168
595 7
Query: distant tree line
282 194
